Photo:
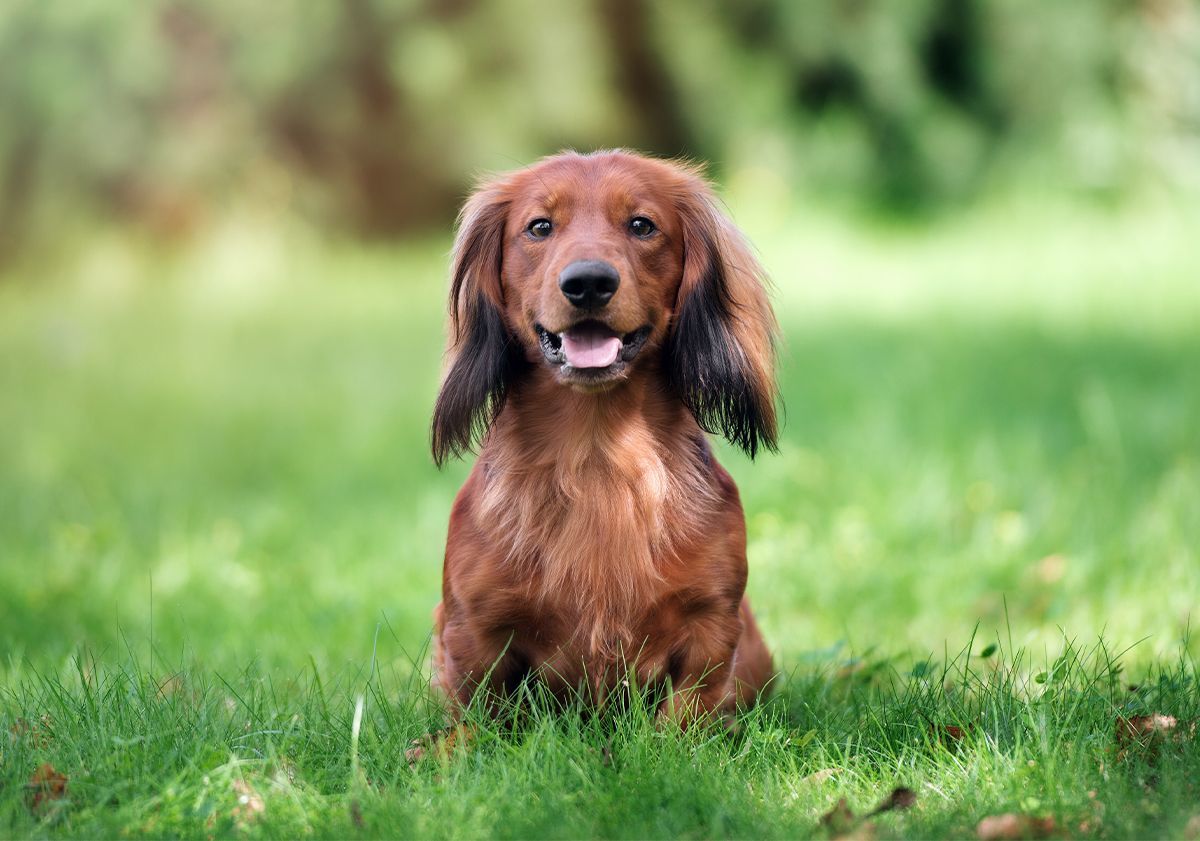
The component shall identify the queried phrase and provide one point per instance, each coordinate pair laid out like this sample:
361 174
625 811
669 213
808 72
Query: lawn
976 555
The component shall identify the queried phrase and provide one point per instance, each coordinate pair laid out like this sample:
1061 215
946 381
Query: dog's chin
585 369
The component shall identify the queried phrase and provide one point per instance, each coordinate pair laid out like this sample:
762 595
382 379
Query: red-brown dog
605 314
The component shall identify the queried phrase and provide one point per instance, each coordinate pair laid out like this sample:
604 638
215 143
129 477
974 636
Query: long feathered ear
721 351
481 354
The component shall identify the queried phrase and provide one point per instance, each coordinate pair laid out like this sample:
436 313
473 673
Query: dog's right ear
481 353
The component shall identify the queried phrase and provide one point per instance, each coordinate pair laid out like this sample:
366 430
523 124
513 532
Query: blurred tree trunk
387 181
643 79
17 183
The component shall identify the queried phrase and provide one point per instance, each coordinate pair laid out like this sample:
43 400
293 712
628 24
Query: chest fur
591 536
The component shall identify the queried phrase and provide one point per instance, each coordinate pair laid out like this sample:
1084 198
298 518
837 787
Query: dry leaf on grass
1144 734
1144 728
440 744
950 736
900 798
38 732
45 788
841 822
1192 831
820 776
1013 826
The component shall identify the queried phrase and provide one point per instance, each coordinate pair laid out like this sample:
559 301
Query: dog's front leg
701 671
698 697
467 670
476 668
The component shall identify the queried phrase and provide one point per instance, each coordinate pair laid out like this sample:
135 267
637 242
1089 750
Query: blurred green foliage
371 116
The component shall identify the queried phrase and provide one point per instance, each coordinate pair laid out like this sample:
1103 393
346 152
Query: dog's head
598 267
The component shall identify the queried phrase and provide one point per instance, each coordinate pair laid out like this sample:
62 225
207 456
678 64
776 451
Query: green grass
220 526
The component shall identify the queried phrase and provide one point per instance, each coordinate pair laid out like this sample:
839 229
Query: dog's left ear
482 357
721 350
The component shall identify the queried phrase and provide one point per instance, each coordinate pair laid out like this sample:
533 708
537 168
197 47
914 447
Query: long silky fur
594 502
476 385
596 530
484 358
710 364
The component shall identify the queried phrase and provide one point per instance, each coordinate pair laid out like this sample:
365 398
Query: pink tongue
590 348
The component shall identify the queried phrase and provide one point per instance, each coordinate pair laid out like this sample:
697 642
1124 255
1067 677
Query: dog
605 315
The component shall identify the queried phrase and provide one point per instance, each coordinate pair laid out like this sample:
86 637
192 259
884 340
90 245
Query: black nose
588 284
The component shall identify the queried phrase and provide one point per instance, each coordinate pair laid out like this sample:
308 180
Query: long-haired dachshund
605 314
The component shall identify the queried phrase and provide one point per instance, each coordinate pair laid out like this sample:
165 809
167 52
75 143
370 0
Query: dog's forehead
614 182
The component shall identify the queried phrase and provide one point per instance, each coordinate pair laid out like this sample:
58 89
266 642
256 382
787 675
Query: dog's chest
595 531
586 552
570 649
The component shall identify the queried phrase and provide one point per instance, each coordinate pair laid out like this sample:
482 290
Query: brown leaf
45 787
356 817
37 732
1144 733
1143 728
821 776
441 744
950 736
1013 826
839 820
900 798
1192 831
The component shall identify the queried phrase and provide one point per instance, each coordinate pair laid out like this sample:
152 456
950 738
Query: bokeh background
369 117
223 237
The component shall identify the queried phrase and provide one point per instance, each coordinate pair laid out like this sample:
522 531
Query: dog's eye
540 228
641 227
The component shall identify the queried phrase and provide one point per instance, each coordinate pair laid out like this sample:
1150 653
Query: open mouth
590 347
